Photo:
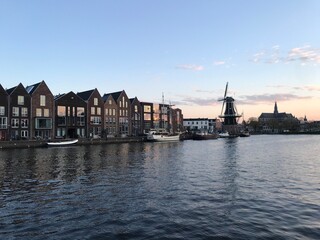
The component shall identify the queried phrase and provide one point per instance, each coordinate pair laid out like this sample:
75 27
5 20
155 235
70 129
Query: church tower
275 108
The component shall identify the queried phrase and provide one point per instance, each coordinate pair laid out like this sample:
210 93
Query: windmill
230 114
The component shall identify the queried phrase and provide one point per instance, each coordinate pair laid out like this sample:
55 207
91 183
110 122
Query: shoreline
19 144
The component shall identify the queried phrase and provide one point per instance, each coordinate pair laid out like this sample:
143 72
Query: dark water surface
262 187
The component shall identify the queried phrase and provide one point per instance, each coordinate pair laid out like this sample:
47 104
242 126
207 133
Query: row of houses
34 112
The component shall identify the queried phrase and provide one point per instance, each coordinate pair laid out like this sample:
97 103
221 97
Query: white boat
62 143
162 137
224 135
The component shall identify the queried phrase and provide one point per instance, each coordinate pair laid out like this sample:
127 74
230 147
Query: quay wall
41 143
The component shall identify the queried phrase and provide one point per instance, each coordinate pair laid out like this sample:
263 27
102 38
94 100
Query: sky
267 51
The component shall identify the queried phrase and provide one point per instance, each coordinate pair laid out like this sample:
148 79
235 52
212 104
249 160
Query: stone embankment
42 143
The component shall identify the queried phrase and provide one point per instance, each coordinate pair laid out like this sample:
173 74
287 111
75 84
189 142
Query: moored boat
204 136
244 134
224 135
162 137
62 143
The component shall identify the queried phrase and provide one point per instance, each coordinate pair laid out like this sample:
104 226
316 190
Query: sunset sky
188 49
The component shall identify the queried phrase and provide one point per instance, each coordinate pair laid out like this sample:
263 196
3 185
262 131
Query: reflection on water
257 187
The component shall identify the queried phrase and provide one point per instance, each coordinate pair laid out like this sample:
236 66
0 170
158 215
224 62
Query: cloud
218 63
196 101
258 56
192 67
305 55
267 98
303 88
205 91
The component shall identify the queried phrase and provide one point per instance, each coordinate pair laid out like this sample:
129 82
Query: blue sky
267 50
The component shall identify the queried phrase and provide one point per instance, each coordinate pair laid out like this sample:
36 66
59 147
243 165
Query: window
95 120
110 102
39 112
3 122
46 112
98 111
126 104
20 100
24 112
14 122
80 116
136 108
93 110
147 116
147 108
24 123
42 100
95 101
113 111
15 111
61 111
24 133
2 110
61 132
43 123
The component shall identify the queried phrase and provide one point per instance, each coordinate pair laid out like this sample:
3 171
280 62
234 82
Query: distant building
147 116
70 116
202 124
177 120
42 111
278 122
4 113
136 117
95 107
19 113
123 111
110 115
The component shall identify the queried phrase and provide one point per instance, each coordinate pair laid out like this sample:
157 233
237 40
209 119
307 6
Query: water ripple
222 189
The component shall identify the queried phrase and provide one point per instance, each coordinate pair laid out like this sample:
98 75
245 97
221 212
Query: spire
275 108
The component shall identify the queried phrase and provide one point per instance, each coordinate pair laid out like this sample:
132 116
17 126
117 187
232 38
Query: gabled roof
106 96
267 115
11 90
56 97
133 99
32 88
282 115
86 94
2 90
115 95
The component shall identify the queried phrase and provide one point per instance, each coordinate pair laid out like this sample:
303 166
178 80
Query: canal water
261 187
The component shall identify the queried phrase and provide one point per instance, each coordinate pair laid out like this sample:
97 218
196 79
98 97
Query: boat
224 135
244 134
62 143
204 136
163 136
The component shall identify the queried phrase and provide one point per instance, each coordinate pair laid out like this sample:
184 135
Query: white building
200 124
